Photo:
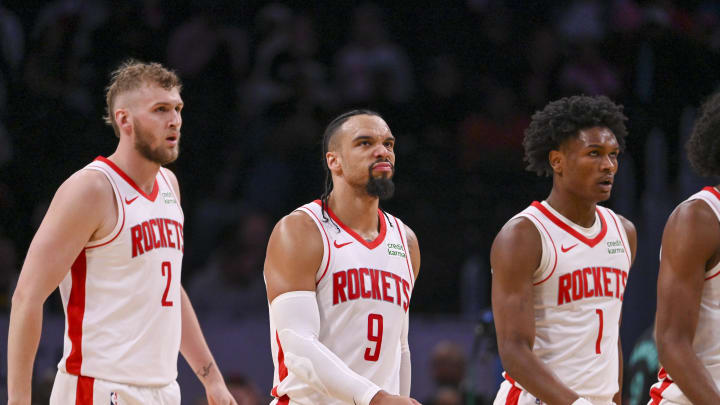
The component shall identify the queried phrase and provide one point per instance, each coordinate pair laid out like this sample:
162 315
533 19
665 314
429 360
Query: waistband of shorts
60 371
591 398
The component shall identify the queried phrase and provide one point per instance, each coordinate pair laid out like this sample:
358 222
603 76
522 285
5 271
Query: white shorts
512 395
70 389
667 392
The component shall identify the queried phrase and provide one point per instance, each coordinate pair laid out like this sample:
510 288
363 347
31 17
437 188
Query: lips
173 138
606 184
383 167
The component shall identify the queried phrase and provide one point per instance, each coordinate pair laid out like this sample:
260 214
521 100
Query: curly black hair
565 118
703 147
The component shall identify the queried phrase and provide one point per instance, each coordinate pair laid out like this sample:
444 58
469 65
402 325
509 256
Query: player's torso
706 343
578 292
122 295
363 292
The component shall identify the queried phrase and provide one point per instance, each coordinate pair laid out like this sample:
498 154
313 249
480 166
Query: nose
609 163
176 120
381 151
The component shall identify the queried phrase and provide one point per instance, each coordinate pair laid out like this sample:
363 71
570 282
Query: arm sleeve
296 318
405 368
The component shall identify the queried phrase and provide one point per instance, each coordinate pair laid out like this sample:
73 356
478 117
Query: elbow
23 299
671 346
512 353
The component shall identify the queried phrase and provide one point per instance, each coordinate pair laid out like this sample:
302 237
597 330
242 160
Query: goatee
381 187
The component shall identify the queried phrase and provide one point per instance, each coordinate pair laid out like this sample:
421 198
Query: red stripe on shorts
513 396
656 393
84 391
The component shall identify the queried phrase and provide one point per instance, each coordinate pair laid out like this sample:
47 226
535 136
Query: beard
381 187
159 155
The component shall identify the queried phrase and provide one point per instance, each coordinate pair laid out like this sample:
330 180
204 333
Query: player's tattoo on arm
205 370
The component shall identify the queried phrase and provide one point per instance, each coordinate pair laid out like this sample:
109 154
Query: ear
334 162
122 118
556 160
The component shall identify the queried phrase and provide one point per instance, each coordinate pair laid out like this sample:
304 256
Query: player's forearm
683 365
193 346
617 398
23 339
297 321
525 368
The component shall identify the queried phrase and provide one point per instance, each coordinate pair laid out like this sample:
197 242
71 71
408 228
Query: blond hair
132 75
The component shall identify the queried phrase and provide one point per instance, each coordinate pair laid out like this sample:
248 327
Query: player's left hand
218 394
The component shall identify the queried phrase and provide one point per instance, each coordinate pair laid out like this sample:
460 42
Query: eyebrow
596 145
159 103
368 137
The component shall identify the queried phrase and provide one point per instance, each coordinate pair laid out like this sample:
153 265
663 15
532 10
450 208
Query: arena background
457 81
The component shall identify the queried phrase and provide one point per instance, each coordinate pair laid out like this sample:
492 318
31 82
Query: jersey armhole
172 190
119 221
325 262
406 245
548 258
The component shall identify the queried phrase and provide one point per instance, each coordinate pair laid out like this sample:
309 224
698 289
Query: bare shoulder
87 196
86 189
692 222
173 180
517 247
414 249
294 253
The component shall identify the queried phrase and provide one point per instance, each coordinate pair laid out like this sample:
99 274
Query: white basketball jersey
706 343
578 292
122 295
363 293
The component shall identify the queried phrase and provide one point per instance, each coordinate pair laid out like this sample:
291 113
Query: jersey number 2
166 266
599 312
374 335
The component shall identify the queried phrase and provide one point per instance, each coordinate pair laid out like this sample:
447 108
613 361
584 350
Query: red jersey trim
713 276
122 225
76 313
327 240
411 273
153 194
621 240
713 191
567 228
370 245
172 190
282 373
554 248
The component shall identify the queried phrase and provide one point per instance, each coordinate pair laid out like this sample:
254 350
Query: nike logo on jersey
341 245
565 250
130 201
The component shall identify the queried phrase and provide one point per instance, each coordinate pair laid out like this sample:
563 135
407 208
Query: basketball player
112 240
339 274
688 300
561 265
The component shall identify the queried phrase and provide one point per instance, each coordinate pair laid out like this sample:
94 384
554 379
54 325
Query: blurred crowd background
457 82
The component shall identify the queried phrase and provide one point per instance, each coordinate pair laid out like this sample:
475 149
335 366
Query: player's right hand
383 398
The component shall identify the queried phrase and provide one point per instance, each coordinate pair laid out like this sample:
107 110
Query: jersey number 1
599 313
166 266
374 335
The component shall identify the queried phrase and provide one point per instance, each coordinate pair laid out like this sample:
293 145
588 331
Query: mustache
392 166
